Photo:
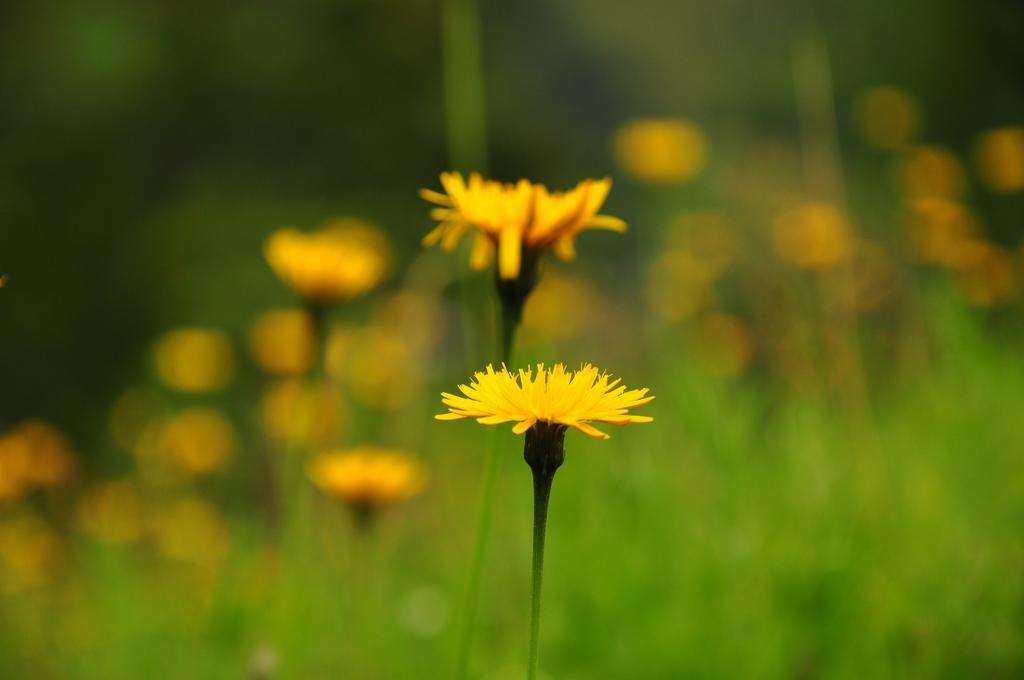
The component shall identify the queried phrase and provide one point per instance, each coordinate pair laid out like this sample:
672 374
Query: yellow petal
509 253
565 248
483 251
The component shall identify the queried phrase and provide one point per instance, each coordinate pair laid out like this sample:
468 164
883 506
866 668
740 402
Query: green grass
740 535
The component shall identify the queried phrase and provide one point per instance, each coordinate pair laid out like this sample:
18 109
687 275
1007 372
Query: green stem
462 66
541 493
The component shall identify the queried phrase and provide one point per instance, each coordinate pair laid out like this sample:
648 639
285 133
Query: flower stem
541 494
544 452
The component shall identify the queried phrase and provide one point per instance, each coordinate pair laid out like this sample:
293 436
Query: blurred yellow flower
724 343
33 455
888 118
812 236
367 476
563 309
31 553
416 316
931 172
345 259
990 279
194 359
708 238
191 530
383 370
1000 158
520 220
198 440
112 512
282 341
661 150
942 232
293 410
554 396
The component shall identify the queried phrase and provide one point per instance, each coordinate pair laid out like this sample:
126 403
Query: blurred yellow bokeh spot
31 552
194 359
112 511
942 232
292 410
813 236
191 530
990 279
562 308
198 440
34 455
887 118
282 342
368 475
931 172
661 150
1000 159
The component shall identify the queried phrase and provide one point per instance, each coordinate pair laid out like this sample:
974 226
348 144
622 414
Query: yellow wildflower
888 118
199 440
194 359
519 220
283 342
367 476
1000 158
555 397
813 236
344 260
661 150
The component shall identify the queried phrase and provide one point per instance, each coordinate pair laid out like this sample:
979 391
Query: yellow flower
367 476
342 261
1000 158
112 512
931 172
661 150
888 118
33 455
194 359
518 219
291 409
283 341
555 396
813 236
199 440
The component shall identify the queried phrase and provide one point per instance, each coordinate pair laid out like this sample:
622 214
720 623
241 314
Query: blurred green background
820 284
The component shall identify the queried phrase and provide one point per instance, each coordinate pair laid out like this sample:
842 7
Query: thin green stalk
462 57
541 495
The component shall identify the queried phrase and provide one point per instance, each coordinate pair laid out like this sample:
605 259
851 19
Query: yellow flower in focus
931 172
518 220
1000 158
345 259
554 396
282 341
888 118
565 307
31 553
198 440
367 476
942 232
661 150
990 280
112 512
192 531
812 236
307 414
725 344
194 359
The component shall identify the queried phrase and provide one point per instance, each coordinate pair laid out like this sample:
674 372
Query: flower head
515 217
554 396
344 260
367 476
